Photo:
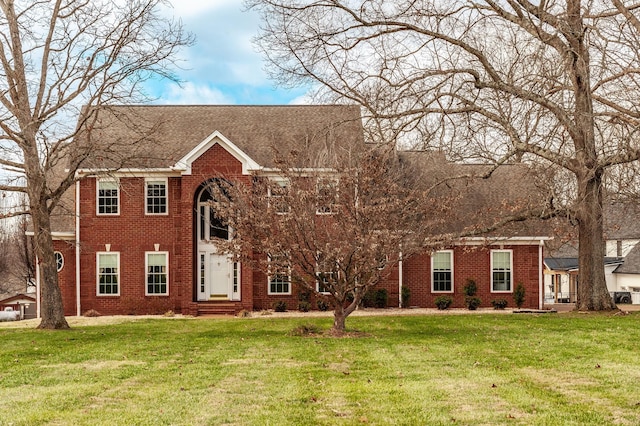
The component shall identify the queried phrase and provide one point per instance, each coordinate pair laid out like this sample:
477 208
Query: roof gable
184 164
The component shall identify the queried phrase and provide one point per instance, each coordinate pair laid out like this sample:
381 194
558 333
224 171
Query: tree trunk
340 314
50 297
593 294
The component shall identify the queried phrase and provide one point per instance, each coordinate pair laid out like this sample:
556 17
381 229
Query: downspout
78 248
400 280
37 287
540 275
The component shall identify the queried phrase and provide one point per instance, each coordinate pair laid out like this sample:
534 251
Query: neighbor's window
156 196
501 267
442 271
108 197
326 196
157 273
279 275
108 266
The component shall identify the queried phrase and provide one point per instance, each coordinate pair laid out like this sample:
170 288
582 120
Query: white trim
452 276
513 241
185 163
98 254
510 270
129 172
107 179
146 272
164 180
56 235
400 279
61 257
77 249
269 292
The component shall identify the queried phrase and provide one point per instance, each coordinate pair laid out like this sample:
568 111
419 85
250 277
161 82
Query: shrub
443 302
472 302
369 299
405 295
499 303
280 306
518 295
304 295
304 306
381 298
470 287
322 305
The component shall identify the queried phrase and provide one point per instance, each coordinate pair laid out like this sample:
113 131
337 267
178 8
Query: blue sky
223 67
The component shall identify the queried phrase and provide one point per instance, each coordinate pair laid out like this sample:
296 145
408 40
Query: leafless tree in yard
56 57
334 232
551 82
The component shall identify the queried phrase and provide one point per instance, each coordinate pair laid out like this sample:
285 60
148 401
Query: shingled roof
157 136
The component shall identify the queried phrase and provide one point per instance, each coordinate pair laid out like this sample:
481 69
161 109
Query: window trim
98 182
284 184
451 258
61 263
146 272
98 254
510 251
165 181
269 275
332 208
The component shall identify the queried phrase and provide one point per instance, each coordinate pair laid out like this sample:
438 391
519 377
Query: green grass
488 369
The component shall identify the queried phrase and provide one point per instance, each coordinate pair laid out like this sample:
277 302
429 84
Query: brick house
142 239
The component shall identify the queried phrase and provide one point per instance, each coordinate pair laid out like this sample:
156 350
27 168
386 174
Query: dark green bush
443 302
381 298
499 303
470 287
518 295
472 302
280 306
405 296
322 305
304 306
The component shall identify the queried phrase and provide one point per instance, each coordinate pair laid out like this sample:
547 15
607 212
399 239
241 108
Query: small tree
518 295
339 231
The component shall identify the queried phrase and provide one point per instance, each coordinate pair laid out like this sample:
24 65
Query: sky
223 67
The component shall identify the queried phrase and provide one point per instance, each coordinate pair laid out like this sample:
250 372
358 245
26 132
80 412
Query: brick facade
132 233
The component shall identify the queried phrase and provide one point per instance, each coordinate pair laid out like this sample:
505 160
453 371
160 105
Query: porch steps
216 307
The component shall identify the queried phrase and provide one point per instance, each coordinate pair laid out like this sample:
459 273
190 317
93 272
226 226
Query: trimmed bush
323 305
472 302
518 295
280 306
443 302
405 295
304 306
499 303
470 287
381 298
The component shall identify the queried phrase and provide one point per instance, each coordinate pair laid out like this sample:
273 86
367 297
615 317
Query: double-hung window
279 275
278 196
327 275
501 270
108 201
157 273
156 196
108 269
326 196
442 271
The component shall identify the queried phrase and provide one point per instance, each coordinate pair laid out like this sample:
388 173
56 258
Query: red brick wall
470 262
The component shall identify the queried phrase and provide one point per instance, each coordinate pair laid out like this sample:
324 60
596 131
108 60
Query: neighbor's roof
157 136
571 263
631 263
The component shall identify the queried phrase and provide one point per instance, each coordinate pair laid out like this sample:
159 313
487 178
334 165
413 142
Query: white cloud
192 94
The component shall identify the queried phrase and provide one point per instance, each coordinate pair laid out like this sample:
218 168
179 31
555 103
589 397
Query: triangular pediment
184 164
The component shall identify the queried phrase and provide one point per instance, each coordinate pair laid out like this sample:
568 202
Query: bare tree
55 57
333 232
555 82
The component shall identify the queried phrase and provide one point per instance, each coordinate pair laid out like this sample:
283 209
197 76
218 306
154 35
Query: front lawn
553 369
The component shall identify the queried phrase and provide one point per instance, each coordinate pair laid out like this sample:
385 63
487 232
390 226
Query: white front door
218 276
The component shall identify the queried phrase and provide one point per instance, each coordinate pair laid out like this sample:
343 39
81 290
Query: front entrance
218 275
